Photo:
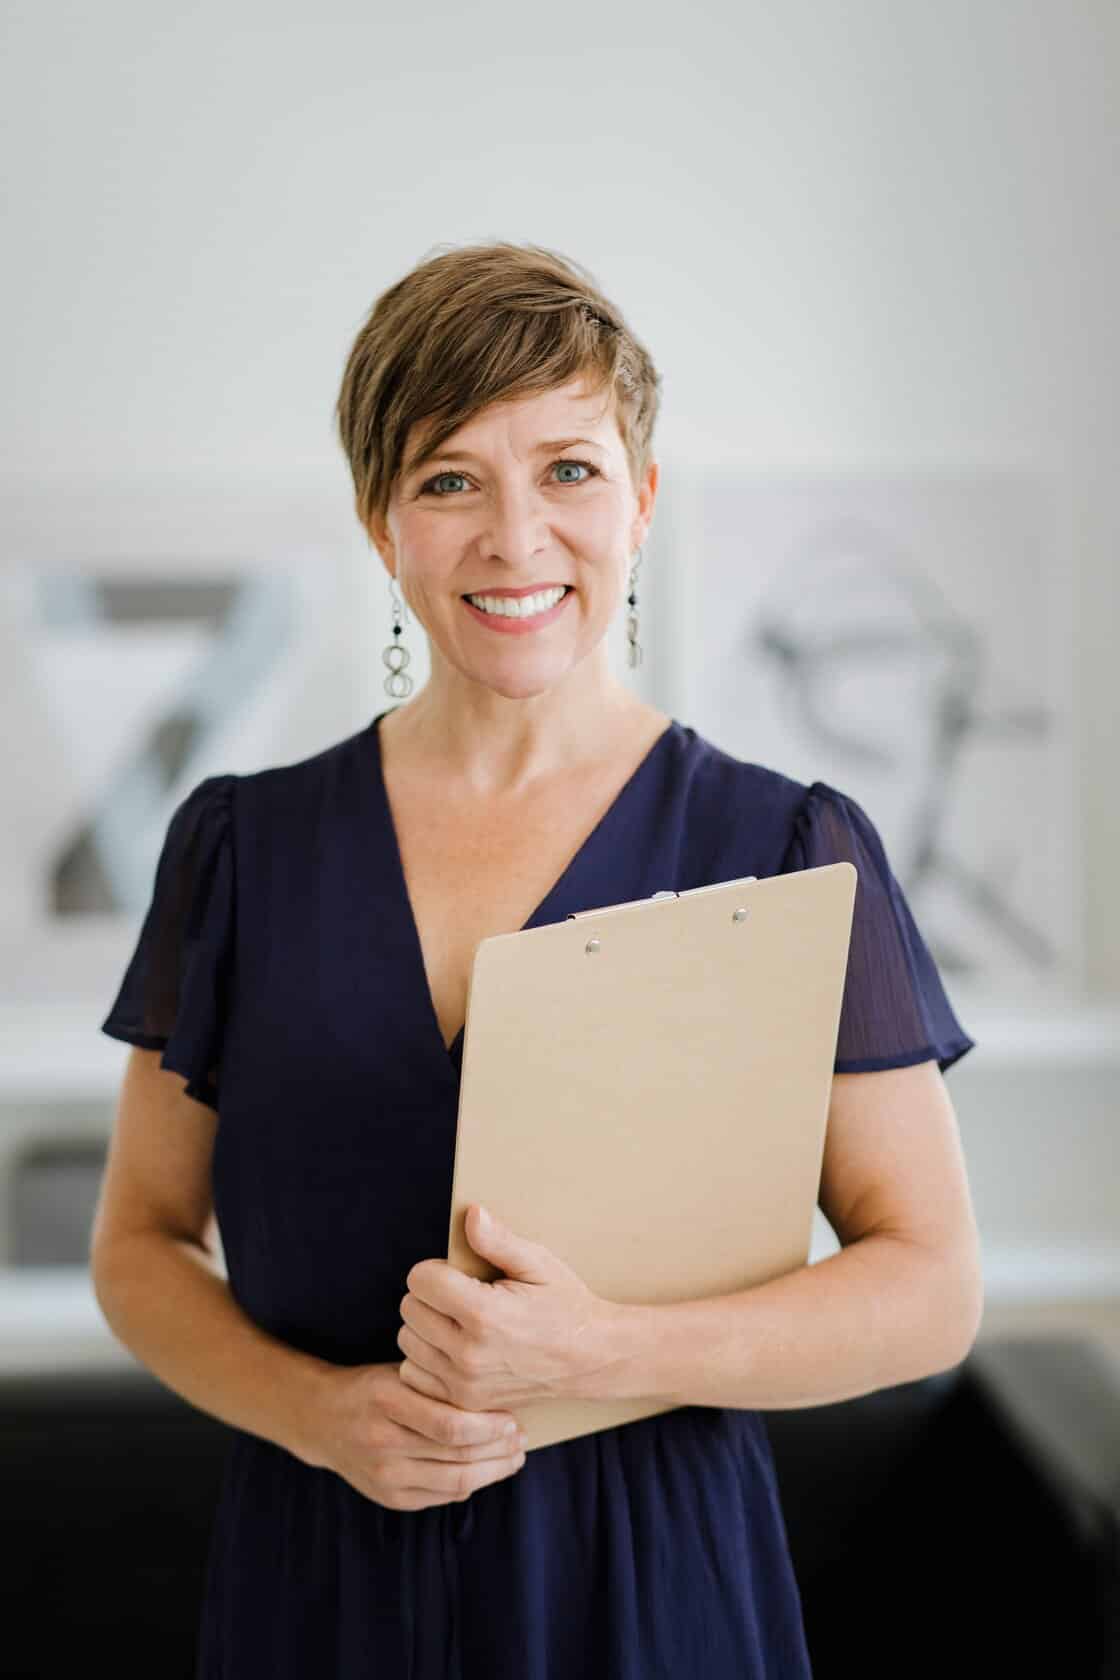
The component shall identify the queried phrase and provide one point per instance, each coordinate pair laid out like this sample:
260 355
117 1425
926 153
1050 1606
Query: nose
515 526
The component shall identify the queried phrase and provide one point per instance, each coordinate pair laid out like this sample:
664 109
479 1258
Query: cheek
426 587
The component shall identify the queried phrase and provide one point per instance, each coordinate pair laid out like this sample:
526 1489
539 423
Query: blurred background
874 249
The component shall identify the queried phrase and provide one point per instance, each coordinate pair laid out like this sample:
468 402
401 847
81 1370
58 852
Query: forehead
565 411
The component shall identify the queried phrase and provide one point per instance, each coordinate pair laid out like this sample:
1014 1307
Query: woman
303 968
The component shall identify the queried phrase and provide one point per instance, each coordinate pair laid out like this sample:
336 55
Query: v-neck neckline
453 1050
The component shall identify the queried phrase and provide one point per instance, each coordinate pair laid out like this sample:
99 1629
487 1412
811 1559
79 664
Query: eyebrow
465 454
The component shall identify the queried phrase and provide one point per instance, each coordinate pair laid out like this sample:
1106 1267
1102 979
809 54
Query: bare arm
159 1282
903 1299
882 1311
166 1300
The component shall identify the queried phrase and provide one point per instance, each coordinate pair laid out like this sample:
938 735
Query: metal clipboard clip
635 903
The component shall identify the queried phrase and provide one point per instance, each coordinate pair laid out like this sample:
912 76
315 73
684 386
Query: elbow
948 1300
974 1318
960 1303
114 1261
105 1266
960 1347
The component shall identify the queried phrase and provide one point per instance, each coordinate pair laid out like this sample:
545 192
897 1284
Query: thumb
516 1256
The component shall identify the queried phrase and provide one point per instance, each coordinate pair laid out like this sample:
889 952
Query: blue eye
426 489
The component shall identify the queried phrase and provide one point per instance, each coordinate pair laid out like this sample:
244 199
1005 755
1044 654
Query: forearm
879 1312
166 1300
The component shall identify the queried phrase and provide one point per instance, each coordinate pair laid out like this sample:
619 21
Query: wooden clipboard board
645 1090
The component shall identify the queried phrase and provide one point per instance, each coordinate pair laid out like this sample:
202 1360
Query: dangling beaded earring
398 683
634 655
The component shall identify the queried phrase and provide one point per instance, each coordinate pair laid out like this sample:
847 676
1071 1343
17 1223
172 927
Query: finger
450 1425
435 1327
416 1375
444 1287
454 1481
436 1419
471 1452
509 1439
423 1329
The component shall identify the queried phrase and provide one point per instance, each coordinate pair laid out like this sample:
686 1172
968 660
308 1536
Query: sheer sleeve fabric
173 994
895 1011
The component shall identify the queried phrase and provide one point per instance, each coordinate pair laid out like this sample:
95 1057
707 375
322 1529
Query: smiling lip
508 624
530 589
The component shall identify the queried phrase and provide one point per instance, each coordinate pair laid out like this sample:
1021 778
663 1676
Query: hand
531 1335
404 1450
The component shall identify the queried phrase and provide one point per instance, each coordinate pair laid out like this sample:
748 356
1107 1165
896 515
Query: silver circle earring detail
398 684
634 653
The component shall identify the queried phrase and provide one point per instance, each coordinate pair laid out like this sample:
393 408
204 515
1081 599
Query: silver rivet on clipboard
592 945
740 915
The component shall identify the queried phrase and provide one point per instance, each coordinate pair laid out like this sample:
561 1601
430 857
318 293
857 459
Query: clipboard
645 1090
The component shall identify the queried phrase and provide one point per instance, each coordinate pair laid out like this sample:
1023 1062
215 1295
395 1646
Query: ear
647 496
379 535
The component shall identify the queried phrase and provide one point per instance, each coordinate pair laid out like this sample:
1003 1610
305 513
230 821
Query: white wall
882 233
865 233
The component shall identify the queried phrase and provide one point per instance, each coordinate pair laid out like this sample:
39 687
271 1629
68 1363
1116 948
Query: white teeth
518 606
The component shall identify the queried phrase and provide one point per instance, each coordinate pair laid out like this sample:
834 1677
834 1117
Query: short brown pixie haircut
475 325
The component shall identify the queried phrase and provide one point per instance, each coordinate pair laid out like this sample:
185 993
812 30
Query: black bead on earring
398 684
634 653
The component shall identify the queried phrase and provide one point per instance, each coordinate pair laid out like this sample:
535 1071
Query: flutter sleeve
174 991
895 1010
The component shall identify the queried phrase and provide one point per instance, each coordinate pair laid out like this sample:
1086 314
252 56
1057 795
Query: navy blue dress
279 970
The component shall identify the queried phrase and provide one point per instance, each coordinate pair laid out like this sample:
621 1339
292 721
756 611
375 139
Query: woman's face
514 505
